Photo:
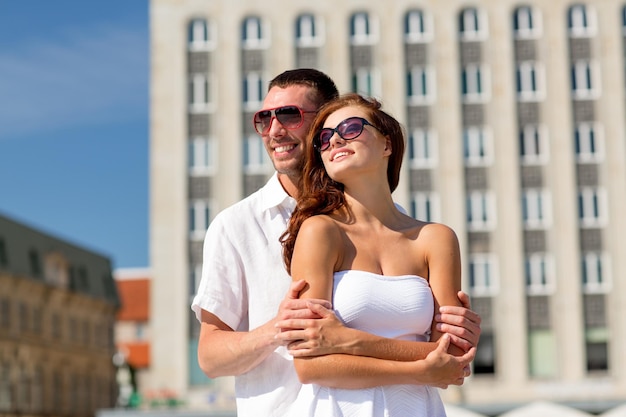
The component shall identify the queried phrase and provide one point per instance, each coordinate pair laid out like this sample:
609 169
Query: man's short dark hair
322 85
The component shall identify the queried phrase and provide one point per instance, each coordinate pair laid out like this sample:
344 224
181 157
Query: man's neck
289 183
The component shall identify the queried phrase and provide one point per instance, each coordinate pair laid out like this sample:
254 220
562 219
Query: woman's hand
444 369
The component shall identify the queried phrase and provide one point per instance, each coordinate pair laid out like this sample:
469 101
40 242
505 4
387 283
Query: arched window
581 20
527 23
309 31
200 35
472 24
363 29
254 33
417 26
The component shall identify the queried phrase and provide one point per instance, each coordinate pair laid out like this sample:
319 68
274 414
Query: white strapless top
399 307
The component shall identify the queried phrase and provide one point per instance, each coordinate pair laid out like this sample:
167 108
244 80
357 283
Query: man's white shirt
243 282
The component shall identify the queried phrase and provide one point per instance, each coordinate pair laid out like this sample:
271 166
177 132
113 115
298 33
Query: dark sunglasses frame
262 123
323 144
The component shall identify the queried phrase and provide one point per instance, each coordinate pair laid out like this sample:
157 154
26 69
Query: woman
385 272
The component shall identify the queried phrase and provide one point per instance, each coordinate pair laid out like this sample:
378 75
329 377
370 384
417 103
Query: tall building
516 138
57 311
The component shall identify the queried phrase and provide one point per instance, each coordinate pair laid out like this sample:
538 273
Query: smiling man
245 291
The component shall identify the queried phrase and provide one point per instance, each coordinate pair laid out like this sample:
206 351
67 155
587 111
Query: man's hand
446 369
461 323
223 351
312 336
293 311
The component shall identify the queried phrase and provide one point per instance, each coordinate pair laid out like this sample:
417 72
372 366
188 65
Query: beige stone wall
511 383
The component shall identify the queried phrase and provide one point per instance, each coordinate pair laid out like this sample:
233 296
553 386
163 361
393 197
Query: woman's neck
371 202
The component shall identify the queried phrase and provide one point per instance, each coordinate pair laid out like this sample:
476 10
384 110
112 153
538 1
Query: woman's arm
438 369
317 254
444 271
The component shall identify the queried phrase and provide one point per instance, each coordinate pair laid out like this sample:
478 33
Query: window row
536 207
530 81
539 274
478 145
203 156
420 85
309 29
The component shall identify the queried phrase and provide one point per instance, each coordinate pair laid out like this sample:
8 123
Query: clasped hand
308 327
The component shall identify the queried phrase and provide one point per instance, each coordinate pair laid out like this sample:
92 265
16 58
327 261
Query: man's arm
222 351
326 335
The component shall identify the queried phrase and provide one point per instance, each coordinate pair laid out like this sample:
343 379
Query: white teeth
284 148
338 154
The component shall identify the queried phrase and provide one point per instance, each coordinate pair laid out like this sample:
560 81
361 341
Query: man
247 321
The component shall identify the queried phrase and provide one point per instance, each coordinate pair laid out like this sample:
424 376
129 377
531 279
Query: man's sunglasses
291 117
350 128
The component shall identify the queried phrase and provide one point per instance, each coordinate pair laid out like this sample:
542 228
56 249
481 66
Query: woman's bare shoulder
438 232
320 226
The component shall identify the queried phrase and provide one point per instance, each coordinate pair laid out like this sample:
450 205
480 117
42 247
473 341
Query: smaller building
132 326
58 304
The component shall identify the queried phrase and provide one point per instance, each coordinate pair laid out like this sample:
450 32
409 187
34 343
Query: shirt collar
274 195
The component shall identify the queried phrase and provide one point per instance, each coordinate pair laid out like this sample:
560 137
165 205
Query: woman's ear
388 148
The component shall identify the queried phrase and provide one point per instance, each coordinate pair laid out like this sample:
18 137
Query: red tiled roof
135 299
137 354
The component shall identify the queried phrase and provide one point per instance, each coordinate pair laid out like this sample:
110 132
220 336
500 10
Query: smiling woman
385 272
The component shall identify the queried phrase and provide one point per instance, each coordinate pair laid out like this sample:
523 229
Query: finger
469 356
464 299
295 288
321 307
289 336
459 327
444 342
295 324
299 345
301 353
297 308
327 305
460 343
455 314
300 303
467 334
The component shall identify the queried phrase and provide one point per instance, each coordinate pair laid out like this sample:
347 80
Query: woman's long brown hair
318 193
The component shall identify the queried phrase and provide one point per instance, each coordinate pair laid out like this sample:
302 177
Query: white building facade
515 114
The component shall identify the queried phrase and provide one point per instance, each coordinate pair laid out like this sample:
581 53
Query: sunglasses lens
262 121
289 116
350 128
324 138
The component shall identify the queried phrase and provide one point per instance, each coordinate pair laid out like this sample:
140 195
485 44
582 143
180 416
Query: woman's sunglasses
350 128
291 117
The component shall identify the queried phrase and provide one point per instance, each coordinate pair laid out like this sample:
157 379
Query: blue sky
74 122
